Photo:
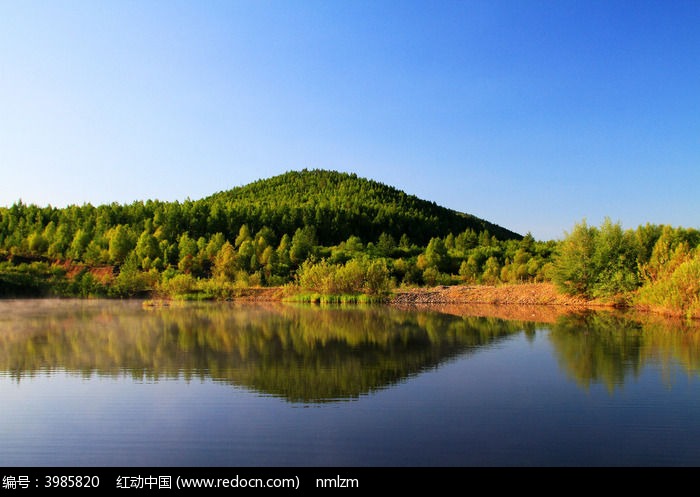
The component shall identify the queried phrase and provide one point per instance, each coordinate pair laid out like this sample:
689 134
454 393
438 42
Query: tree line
146 250
328 233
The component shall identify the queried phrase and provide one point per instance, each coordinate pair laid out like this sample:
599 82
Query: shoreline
533 302
539 302
530 294
518 294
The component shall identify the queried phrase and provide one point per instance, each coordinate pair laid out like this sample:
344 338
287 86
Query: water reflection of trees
299 353
312 354
611 347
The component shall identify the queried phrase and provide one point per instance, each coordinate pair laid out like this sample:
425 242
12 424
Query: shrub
678 292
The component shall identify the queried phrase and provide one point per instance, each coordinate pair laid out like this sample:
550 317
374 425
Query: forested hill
339 205
261 233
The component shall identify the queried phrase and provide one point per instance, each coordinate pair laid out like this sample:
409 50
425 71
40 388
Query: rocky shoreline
537 302
525 294
533 302
517 294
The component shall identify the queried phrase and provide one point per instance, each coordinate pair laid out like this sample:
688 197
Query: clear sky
534 115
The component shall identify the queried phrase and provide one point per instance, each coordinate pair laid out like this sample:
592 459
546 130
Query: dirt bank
540 302
520 294
534 302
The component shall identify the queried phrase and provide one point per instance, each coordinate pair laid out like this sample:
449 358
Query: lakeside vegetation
326 236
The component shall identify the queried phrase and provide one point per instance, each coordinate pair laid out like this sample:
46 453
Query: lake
116 383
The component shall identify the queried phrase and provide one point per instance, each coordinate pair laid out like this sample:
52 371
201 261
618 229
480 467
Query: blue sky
534 115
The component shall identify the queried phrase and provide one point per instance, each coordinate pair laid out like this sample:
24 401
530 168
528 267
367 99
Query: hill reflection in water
303 354
306 353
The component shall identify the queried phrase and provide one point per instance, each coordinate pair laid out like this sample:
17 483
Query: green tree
225 264
187 254
348 278
268 261
120 244
492 271
527 243
386 245
264 238
283 260
377 280
615 260
247 258
81 240
303 243
131 281
147 248
450 243
466 241
214 244
669 250
38 244
436 255
431 276
61 241
97 251
243 236
574 270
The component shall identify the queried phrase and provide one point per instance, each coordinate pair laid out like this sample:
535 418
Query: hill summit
339 205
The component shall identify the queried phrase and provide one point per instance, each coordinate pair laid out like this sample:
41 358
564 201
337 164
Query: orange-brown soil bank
522 294
517 294
534 302
528 301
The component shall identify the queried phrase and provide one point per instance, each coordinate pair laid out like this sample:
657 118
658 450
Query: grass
318 298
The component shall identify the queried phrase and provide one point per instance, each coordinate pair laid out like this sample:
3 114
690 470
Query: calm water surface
95 383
